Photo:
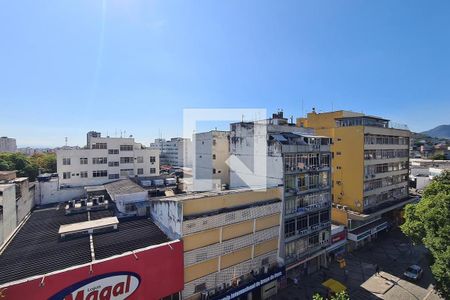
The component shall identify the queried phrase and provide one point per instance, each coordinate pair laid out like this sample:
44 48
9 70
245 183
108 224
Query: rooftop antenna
332 106
242 118
66 140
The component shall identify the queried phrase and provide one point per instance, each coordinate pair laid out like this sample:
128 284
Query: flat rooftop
37 248
123 187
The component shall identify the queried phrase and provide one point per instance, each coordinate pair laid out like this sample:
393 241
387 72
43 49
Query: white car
414 272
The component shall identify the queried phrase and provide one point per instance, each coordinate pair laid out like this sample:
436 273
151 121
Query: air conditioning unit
204 296
345 207
303 232
211 293
339 206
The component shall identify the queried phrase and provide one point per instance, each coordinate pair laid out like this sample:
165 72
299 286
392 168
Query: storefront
365 234
262 287
338 241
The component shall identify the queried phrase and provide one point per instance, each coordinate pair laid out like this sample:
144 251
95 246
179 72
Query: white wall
168 216
48 192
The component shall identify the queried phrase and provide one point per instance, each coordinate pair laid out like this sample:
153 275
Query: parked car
414 272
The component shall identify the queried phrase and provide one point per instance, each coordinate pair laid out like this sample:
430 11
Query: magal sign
109 286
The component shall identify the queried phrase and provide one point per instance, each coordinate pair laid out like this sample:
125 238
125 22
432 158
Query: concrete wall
8 202
168 216
49 192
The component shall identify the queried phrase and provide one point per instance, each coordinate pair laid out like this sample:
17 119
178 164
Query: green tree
24 166
428 223
46 162
339 296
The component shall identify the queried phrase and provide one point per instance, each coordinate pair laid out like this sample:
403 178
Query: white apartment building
175 152
299 161
212 149
7 144
105 159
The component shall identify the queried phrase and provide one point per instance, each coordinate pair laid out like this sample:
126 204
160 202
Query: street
393 253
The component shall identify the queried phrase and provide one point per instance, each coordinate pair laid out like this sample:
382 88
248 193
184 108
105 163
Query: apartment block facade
370 170
175 152
212 149
231 241
300 162
105 159
7 144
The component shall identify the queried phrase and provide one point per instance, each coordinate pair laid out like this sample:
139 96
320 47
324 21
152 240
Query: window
313 240
140 159
200 287
338 153
213 156
152 171
113 176
100 173
126 147
66 161
302 223
140 171
99 160
301 182
66 175
313 219
126 172
99 146
83 161
214 142
113 164
152 159
126 160
214 171
113 151
289 228
83 174
324 216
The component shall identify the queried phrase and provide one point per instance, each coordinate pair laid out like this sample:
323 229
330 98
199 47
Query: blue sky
67 67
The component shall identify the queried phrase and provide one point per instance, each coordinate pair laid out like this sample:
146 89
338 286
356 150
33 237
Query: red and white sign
152 273
110 286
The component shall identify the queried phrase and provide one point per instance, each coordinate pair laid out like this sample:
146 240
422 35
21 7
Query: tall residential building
176 152
300 162
212 149
105 159
370 170
7 144
230 240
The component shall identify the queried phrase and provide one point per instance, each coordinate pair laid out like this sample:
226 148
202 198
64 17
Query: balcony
302 210
304 148
307 231
306 169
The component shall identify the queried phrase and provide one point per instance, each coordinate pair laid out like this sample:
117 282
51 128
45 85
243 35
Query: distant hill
442 131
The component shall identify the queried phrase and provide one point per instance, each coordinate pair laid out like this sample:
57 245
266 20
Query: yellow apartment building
370 169
231 241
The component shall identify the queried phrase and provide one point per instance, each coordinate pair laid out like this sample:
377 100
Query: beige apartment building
231 241
212 149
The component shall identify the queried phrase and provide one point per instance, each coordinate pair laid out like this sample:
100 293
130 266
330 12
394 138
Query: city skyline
134 66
